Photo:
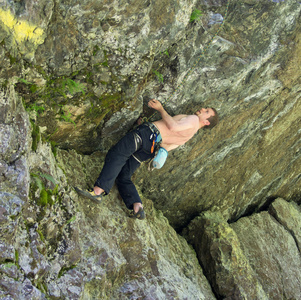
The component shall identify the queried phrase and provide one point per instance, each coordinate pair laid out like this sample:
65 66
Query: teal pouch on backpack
160 158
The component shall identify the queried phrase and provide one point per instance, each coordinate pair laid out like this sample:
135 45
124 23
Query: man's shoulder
188 122
188 118
179 116
184 117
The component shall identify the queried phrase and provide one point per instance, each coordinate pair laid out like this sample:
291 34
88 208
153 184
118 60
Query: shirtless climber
126 156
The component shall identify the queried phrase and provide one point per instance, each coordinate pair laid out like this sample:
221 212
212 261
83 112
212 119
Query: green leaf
71 220
48 177
24 81
38 182
195 15
159 76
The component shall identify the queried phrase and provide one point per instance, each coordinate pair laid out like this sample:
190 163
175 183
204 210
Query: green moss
109 104
43 200
53 148
95 50
64 270
41 235
12 59
4 85
33 88
36 136
46 197
50 199
106 62
17 259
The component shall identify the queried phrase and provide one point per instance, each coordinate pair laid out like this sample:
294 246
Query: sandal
89 194
138 215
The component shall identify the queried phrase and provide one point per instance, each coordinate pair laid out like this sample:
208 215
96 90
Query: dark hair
212 119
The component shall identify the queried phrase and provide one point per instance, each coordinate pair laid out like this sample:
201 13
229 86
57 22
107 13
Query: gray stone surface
256 257
76 75
272 252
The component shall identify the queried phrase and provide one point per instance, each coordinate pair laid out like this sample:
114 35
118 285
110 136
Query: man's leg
115 160
126 188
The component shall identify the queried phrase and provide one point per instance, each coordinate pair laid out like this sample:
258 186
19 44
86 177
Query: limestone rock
272 252
251 75
15 136
289 216
255 257
225 264
55 244
74 78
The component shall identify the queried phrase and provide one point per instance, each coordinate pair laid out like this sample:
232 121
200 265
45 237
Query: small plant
196 14
24 81
46 196
43 200
71 220
165 52
72 87
7 265
38 179
67 117
36 136
17 259
159 76
64 270
34 107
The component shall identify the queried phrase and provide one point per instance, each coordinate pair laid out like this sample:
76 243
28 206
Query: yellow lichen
20 29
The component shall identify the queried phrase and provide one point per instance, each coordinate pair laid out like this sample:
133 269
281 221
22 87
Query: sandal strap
90 195
138 215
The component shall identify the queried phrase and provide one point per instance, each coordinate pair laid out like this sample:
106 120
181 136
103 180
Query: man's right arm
177 123
168 120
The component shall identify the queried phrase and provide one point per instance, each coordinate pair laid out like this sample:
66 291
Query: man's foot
98 190
89 194
138 215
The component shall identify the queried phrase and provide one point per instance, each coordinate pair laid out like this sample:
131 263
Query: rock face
59 246
74 78
252 76
257 257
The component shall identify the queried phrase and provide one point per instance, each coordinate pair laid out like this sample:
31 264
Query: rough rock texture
272 252
75 76
55 244
257 257
252 76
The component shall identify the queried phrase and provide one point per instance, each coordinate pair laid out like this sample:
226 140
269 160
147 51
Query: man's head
208 117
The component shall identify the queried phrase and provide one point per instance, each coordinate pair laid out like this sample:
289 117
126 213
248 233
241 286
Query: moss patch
36 136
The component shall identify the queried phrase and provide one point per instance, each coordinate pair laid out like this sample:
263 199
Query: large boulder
257 257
